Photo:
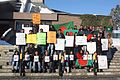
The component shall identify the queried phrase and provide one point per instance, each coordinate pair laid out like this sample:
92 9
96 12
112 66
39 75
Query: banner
102 62
44 27
32 38
91 47
20 39
41 38
71 32
104 43
69 41
27 29
81 40
51 37
60 45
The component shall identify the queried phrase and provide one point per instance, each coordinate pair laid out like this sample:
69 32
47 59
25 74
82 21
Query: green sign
69 31
109 29
41 38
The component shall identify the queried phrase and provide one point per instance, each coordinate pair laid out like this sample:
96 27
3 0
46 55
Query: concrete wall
63 18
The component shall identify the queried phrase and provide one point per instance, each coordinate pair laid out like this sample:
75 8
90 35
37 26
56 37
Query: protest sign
51 37
102 62
91 47
36 18
71 57
36 58
41 38
47 58
104 43
66 57
32 38
55 57
20 39
81 40
69 41
87 57
16 57
27 57
60 45
44 27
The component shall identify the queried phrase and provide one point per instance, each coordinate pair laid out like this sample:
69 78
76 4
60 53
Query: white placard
66 57
16 57
27 57
71 57
116 41
47 58
104 43
27 29
69 41
60 45
20 39
36 58
102 62
81 40
87 57
55 57
91 47
44 27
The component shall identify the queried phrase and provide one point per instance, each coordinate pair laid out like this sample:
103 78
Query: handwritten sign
41 38
104 44
69 41
91 47
32 38
16 58
44 27
20 39
36 58
71 57
55 57
47 58
60 45
81 40
51 37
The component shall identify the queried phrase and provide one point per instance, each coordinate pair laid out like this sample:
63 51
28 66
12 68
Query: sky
97 7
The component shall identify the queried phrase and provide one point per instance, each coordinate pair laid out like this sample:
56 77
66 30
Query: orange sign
51 37
36 18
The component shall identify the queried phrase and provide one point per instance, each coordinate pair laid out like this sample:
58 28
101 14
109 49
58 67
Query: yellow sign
51 37
32 38
36 18
20 55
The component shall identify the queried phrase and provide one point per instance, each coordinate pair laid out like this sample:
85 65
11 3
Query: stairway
6 68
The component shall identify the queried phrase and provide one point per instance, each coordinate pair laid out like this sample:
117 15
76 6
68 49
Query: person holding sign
46 61
66 62
37 62
54 62
27 60
15 61
71 63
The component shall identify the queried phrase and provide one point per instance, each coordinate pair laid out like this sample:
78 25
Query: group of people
44 58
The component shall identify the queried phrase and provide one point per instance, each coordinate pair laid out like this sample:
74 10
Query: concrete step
115 61
65 74
114 64
5 58
112 70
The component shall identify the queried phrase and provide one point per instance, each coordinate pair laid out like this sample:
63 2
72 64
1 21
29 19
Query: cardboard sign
44 27
66 57
51 37
27 57
87 57
55 57
47 58
102 62
60 45
36 58
16 58
20 39
32 38
91 47
81 40
71 57
36 18
69 41
27 29
104 44
41 38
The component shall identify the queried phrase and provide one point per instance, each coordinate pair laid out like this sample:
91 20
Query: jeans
50 49
38 66
15 65
21 48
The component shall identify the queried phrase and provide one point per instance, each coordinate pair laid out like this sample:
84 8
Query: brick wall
63 18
